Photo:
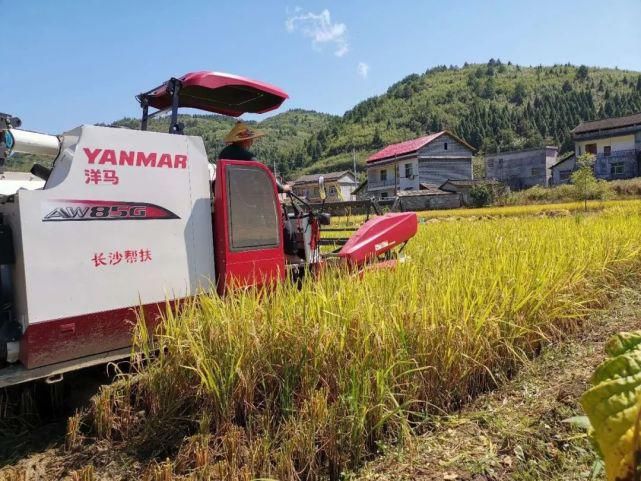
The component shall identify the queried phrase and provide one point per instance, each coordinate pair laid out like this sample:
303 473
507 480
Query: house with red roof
414 164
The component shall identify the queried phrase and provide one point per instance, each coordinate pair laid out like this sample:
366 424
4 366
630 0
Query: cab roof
219 93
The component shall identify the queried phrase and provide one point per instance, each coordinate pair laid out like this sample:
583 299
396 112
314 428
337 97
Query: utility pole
354 159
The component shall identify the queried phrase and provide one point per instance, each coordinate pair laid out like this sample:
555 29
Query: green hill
287 133
493 106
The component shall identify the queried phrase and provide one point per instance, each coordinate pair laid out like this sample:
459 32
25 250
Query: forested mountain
492 106
287 133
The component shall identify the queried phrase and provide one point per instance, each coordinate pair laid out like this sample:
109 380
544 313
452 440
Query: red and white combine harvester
131 219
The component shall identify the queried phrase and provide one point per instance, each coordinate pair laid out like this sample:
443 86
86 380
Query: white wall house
616 143
339 186
429 160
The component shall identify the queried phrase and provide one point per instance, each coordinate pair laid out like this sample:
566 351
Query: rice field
310 383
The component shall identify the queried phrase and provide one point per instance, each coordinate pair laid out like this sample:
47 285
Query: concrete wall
355 207
521 169
618 165
405 203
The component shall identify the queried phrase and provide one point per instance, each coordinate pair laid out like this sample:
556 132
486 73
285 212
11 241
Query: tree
583 178
480 195
490 89
567 87
377 140
519 93
582 73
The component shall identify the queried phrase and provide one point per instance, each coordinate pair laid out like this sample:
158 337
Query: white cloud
319 27
363 69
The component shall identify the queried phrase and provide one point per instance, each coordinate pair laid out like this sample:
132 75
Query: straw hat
242 131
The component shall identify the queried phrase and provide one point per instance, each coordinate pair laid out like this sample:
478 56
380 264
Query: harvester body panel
123 221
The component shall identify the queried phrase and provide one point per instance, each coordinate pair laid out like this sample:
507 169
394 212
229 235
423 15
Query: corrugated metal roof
329 177
605 124
409 146
403 148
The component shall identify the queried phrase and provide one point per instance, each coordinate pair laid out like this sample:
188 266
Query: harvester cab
131 220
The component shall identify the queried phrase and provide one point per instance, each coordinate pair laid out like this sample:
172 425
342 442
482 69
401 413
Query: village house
616 143
562 170
338 186
428 160
521 169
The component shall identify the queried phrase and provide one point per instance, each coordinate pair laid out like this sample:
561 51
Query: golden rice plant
301 383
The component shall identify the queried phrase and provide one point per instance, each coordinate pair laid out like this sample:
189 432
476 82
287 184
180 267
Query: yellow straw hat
242 131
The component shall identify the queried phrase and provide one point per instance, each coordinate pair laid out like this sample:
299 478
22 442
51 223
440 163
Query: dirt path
516 432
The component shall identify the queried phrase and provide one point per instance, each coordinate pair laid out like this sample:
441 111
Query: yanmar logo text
135 159
87 210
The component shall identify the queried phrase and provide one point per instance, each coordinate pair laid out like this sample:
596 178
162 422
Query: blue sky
66 62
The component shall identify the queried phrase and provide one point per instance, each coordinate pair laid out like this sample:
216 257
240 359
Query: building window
536 171
607 150
332 190
490 163
590 149
383 175
617 168
564 174
444 145
409 171
384 195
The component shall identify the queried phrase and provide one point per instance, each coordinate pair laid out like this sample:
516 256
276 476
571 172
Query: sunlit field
564 208
532 209
308 383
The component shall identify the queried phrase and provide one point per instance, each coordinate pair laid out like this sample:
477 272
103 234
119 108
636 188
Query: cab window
253 210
